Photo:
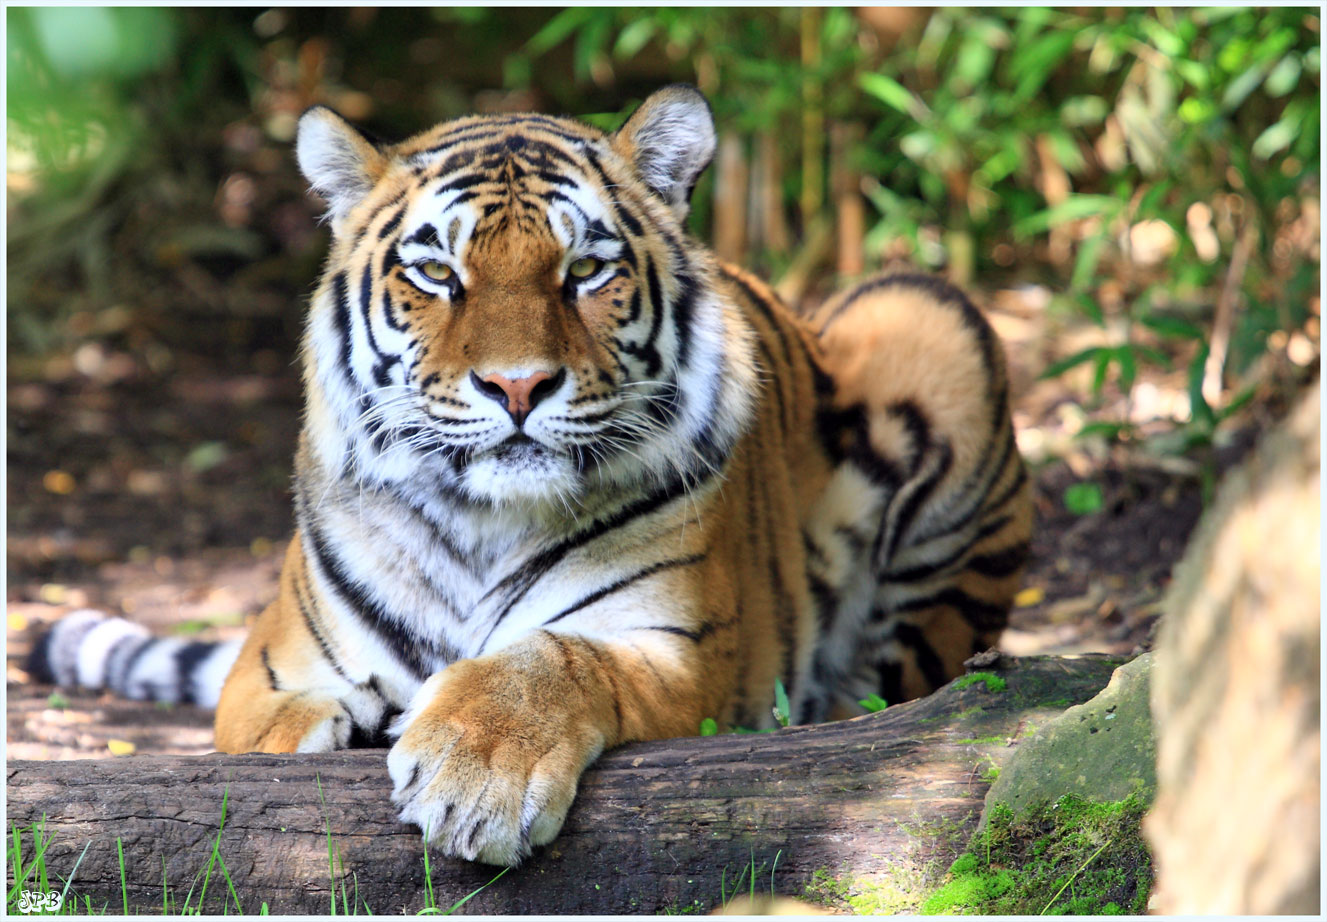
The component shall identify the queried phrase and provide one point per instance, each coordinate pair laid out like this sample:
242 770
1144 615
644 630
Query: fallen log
882 800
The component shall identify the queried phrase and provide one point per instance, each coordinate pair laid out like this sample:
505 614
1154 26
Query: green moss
994 683
1069 857
984 741
893 896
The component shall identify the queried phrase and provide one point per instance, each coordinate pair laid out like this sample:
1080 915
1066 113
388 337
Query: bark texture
656 826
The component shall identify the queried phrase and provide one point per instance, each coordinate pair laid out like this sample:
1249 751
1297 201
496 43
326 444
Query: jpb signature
28 901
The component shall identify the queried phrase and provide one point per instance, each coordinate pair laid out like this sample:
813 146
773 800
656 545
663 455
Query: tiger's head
511 309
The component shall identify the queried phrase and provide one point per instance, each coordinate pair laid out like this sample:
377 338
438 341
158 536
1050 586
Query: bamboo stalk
1224 320
813 119
849 209
730 199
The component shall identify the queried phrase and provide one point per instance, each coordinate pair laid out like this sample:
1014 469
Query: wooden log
656 826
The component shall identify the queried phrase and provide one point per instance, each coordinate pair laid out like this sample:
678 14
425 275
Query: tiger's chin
523 472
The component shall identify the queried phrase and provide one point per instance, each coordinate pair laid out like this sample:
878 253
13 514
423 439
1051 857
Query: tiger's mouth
519 448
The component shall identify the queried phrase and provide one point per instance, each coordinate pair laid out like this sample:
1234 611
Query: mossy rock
1101 751
1061 830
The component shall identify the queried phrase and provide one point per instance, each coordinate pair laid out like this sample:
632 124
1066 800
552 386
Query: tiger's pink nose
518 395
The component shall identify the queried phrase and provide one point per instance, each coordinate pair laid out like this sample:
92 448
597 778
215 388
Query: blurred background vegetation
1133 193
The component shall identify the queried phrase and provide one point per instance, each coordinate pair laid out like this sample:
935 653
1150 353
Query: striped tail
93 650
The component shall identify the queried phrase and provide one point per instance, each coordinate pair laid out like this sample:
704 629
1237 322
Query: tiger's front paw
487 777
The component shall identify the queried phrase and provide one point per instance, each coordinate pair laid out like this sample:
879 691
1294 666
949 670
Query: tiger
565 480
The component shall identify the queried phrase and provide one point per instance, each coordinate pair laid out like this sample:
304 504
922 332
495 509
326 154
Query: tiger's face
511 306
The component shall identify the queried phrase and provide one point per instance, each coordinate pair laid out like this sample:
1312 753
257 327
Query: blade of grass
65 892
1074 876
225 872
124 887
39 846
216 849
465 899
430 904
327 826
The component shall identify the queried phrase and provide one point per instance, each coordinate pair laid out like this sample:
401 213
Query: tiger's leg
286 694
922 375
491 749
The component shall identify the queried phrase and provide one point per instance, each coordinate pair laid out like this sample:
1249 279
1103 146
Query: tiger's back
885 431
564 481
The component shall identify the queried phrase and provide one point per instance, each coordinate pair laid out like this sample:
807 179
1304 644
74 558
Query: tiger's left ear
670 141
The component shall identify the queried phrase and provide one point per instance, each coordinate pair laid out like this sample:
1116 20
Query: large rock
1236 695
1101 751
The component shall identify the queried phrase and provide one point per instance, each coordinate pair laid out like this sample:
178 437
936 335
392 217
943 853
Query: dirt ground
166 498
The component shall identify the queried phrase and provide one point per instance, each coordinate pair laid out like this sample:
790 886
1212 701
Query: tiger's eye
586 267
438 271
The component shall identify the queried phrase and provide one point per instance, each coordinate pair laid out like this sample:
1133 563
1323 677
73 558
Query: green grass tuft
993 682
27 847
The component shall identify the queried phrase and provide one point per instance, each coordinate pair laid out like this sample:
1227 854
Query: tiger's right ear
340 163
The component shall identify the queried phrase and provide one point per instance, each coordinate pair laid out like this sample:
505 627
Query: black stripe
625 582
919 495
684 309
981 615
138 654
186 662
392 223
464 181
272 681
118 651
304 609
926 570
672 629
1004 562
383 362
405 645
979 485
928 661
648 350
38 664
943 293
777 314
891 680
827 602
620 212
518 583
425 234
341 315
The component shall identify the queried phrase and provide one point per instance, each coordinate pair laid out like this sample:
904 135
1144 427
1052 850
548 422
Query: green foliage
998 145
1083 498
782 711
873 703
989 133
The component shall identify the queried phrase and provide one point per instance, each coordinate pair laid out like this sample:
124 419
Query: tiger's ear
670 141
340 163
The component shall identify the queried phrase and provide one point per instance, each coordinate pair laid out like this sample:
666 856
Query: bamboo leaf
1071 209
893 94
1056 369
